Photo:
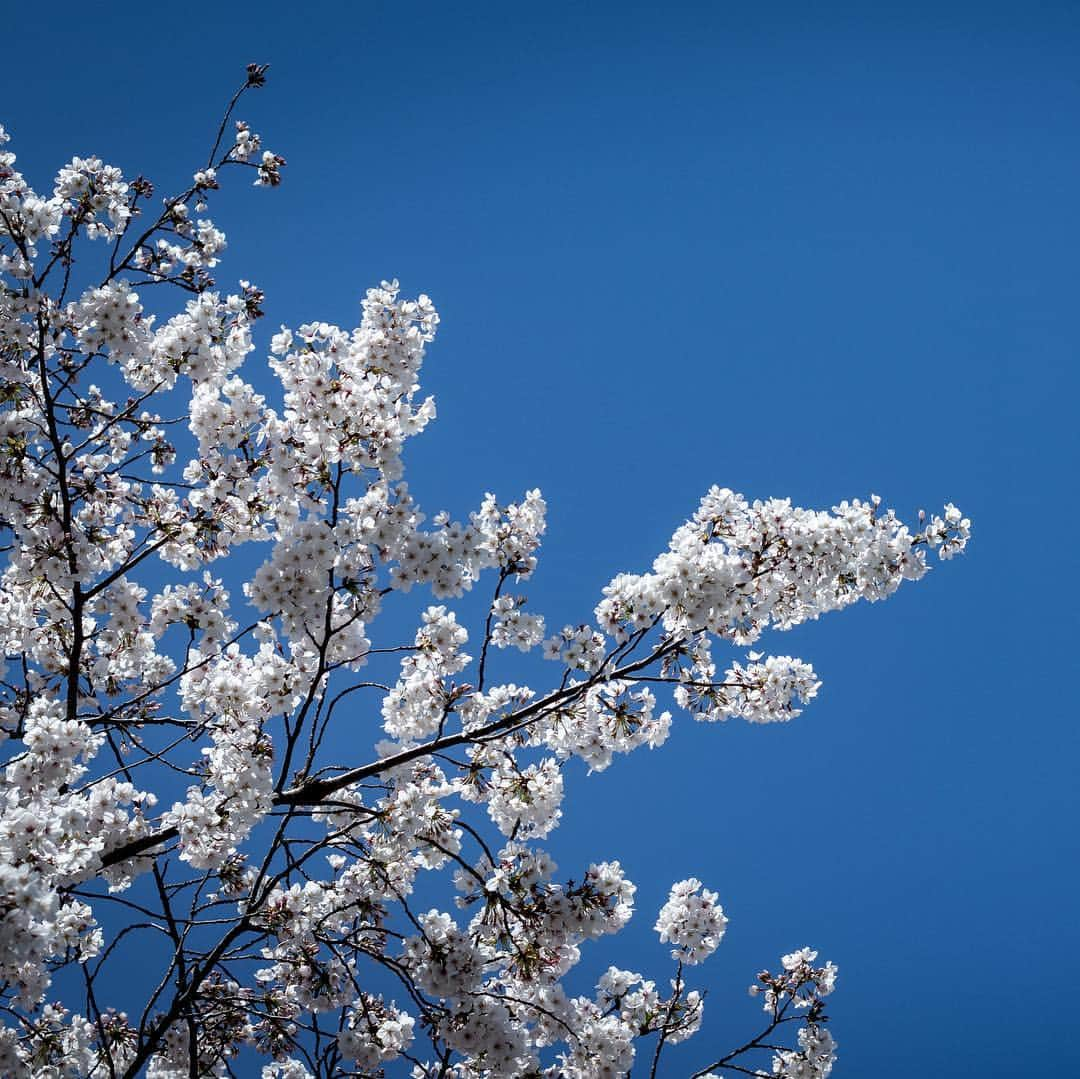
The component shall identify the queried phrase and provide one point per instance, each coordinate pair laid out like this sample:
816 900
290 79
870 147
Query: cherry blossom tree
171 787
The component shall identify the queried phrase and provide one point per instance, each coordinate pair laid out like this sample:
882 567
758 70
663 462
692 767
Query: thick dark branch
315 791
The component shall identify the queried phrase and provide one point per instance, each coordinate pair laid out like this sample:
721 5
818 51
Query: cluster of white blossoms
578 647
616 716
797 972
202 608
194 747
693 922
524 802
515 627
802 986
812 1060
377 1033
738 567
231 698
949 534
758 692
418 704
50 835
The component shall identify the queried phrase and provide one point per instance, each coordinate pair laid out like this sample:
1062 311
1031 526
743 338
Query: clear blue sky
814 251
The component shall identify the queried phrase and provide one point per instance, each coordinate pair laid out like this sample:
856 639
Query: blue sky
807 252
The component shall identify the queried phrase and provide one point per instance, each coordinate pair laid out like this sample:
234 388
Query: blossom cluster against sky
810 252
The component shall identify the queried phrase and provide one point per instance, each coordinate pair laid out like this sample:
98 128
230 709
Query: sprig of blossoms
513 626
693 922
799 982
813 1059
738 567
